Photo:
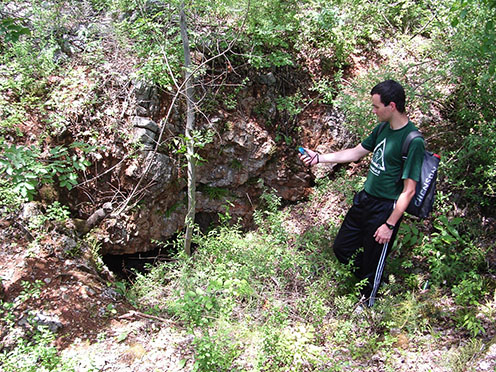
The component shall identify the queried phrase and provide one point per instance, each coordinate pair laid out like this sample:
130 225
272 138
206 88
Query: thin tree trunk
190 125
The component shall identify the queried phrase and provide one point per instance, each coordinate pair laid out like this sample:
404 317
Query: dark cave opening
126 266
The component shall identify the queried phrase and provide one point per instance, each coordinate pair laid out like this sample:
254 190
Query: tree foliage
471 56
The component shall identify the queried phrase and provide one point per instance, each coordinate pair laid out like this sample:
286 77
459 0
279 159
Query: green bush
269 218
35 355
158 53
11 30
215 353
146 290
457 263
449 253
199 307
289 347
472 57
407 311
270 33
338 29
26 168
10 200
57 212
468 58
23 85
472 168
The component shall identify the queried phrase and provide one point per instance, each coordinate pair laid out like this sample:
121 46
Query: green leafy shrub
198 307
289 347
469 56
462 360
10 200
25 168
472 57
457 263
30 59
406 311
338 30
476 157
57 212
11 30
36 350
201 306
293 105
214 193
23 84
269 219
215 353
449 254
35 355
327 26
147 288
54 212
159 53
271 30
468 295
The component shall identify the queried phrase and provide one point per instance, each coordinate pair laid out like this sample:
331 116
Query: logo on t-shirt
378 164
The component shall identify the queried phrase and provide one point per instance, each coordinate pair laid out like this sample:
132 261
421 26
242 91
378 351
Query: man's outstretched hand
309 157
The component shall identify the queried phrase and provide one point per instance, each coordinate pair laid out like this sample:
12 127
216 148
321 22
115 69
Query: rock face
245 157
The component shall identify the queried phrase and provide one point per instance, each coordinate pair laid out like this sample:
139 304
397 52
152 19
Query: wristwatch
390 227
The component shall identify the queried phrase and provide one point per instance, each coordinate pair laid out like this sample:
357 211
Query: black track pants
357 231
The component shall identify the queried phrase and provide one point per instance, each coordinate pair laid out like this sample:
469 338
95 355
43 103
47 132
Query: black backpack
423 200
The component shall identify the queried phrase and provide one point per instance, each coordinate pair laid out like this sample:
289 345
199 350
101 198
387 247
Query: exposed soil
73 295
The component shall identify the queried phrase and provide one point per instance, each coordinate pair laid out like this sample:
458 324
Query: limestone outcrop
246 156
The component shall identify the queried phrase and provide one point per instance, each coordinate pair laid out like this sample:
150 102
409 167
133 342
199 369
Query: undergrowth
287 297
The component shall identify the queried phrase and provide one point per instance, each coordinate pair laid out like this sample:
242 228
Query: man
373 220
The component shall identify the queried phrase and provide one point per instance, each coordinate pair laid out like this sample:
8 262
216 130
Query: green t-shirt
385 166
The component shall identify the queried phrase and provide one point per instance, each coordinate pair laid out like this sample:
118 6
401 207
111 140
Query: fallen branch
138 314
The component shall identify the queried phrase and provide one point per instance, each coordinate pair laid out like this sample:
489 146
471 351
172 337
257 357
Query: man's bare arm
343 156
403 201
383 233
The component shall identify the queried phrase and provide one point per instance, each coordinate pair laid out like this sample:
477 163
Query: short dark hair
391 91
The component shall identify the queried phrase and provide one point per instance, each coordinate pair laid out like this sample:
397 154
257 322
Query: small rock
30 210
111 293
144 136
51 321
69 244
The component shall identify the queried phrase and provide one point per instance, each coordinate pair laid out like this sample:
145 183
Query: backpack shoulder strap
406 143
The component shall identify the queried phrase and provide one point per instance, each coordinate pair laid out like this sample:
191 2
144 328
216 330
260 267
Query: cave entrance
126 266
